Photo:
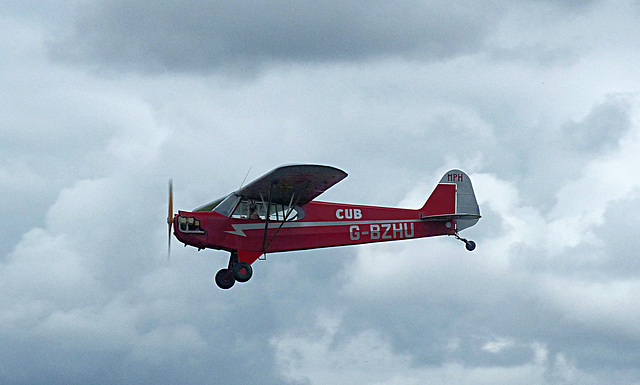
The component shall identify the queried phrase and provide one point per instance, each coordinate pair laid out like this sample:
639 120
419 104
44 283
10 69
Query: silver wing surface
301 183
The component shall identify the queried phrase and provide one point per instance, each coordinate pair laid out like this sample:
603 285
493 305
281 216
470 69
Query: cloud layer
254 34
105 101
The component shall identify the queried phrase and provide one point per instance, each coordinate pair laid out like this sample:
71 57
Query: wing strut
292 204
266 223
286 217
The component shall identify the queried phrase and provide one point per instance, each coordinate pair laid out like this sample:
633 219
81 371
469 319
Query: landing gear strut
469 245
237 271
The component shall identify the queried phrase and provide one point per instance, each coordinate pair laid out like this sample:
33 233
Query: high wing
301 183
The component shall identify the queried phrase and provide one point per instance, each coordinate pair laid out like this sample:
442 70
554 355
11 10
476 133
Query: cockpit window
227 206
256 210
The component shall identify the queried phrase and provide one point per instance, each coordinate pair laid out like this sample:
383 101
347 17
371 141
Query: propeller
170 218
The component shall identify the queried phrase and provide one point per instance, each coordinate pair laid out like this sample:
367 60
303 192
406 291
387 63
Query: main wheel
242 271
470 245
225 279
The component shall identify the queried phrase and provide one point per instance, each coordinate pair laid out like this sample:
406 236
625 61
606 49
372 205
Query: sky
103 102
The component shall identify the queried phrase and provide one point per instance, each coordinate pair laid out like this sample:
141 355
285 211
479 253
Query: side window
257 210
280 212
242 210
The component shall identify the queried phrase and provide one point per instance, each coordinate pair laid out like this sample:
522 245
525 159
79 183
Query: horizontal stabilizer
442 218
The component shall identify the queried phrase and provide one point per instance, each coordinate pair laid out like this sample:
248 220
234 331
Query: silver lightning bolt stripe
240 228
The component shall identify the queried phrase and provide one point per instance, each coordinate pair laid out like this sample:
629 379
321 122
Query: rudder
453 198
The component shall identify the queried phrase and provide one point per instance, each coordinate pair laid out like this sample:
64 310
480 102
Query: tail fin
453 198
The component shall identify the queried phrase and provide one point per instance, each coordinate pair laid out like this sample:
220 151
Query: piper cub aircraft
277 212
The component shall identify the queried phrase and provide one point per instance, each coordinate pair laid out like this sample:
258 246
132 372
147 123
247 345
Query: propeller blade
170 218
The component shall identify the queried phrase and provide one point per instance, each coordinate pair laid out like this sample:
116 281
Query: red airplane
277 212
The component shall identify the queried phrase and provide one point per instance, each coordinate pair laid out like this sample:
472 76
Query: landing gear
469 245
237 271
225 279
242 271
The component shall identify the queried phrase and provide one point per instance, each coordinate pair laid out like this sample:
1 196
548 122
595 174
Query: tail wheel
242 271
470 245
225 279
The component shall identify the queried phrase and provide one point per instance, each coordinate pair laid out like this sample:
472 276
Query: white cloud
524 255
497 345
369 358
608 307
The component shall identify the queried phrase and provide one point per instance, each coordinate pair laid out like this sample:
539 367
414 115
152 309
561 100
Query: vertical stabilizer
453 198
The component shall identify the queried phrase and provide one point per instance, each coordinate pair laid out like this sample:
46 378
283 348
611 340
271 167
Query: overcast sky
103 101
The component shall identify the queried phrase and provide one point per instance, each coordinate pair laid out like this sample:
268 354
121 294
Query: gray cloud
205 36
601 129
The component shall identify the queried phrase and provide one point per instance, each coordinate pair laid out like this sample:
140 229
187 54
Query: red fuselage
320 224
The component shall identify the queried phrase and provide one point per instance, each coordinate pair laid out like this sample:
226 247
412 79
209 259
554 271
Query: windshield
210 206
227 205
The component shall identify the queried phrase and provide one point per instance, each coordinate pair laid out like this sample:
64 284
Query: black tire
470 245
224 279
242 272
